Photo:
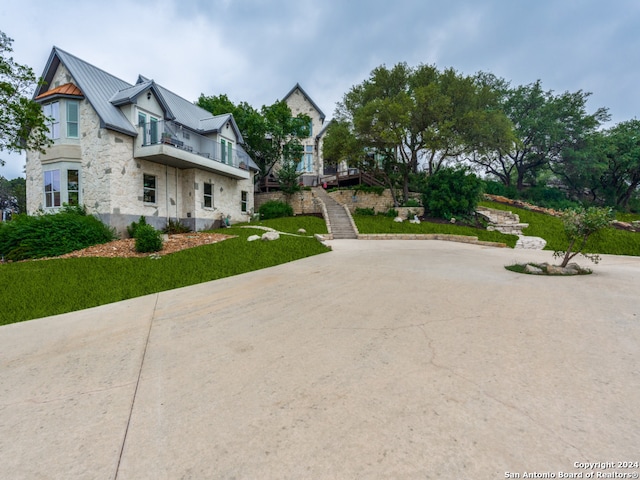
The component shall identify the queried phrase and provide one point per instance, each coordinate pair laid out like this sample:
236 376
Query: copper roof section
66 89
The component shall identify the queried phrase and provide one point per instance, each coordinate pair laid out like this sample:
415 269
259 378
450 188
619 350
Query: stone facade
111 172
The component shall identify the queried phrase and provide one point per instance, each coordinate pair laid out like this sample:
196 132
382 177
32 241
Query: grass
313 225
627 217
35 289
381 224
609 241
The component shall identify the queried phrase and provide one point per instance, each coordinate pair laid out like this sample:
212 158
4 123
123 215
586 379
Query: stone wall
303 203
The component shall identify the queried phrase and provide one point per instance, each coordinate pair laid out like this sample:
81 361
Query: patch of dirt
126 247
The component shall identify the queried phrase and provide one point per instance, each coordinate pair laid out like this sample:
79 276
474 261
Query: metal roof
106 93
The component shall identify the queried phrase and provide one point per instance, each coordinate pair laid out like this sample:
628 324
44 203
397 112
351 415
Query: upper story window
63 119
52 112
73 118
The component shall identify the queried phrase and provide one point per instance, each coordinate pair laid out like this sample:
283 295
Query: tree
545 125
415 116
579 224
270 135
22 121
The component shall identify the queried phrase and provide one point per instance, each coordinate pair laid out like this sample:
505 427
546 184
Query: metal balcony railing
163 132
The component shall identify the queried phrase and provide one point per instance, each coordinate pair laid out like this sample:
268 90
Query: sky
256 50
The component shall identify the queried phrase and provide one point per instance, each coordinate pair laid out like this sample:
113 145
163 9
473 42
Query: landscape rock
533 270
302 231
398 220
269 236
415 220
253 238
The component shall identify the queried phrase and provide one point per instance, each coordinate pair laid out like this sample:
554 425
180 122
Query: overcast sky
257 50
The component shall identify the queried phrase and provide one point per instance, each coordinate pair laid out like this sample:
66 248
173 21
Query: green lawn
382 224
34 289
611 241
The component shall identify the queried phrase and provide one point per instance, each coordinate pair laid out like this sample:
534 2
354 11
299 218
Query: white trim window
208 195
149 188
62 186
306 162
244 201
52 112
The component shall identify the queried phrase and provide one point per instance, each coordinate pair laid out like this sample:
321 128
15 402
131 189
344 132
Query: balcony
170 144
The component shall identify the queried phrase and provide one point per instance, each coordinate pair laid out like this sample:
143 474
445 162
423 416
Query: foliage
451 192
391 213
269 135
22 121
38 289
401 117
412 202
289 177
579 225
175 226
133 228
148 239
380 224
365 211
364 188
275 209
13 195
545 124
51 235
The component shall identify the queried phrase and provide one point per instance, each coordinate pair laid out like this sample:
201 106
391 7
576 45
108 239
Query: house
129 150
311 165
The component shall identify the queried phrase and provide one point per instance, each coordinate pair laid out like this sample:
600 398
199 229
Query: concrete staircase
338 218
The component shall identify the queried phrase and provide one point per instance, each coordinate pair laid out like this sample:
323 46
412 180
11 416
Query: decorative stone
453 220
533 270
398 220
269 236
253 238
302 230
415 220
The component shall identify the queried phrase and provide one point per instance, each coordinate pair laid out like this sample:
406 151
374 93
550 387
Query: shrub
579 224
175 226
51 235
365 211
391 213
412 202
275 209
451 192
377 189
131 229
148 239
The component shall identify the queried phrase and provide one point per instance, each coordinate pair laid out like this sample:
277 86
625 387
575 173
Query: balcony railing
174 135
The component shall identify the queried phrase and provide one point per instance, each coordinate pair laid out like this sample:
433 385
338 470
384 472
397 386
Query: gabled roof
106 93
308 98
325 127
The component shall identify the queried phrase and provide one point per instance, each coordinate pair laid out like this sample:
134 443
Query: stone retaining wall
304 202
431 236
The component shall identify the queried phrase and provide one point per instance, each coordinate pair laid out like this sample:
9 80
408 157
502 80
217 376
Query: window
142 124
149 189
72 119
208 195
230 153
73 187
306 162
153 130
223 151
52 188
52 111
244 201
62 185
311 128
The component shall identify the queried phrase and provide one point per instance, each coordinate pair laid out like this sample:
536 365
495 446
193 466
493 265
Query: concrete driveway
381 359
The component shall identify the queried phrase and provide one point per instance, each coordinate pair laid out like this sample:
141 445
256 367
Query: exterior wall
111 179
300 105
303 203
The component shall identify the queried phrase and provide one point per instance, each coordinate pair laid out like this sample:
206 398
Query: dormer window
61 106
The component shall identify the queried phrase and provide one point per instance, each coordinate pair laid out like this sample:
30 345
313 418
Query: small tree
579 224
22 121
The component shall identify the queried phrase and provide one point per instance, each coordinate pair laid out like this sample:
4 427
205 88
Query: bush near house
451 192
51 235
275 209
148 239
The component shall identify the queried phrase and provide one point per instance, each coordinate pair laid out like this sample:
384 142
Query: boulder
302 231
415 220
269 236
532 270
398 220
253 238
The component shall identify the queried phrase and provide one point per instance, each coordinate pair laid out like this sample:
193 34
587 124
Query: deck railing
170 133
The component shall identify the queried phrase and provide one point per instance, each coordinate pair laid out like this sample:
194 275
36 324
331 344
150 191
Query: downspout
177 218
166 191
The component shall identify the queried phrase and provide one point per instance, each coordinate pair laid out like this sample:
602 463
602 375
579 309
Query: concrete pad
67 384
396 359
